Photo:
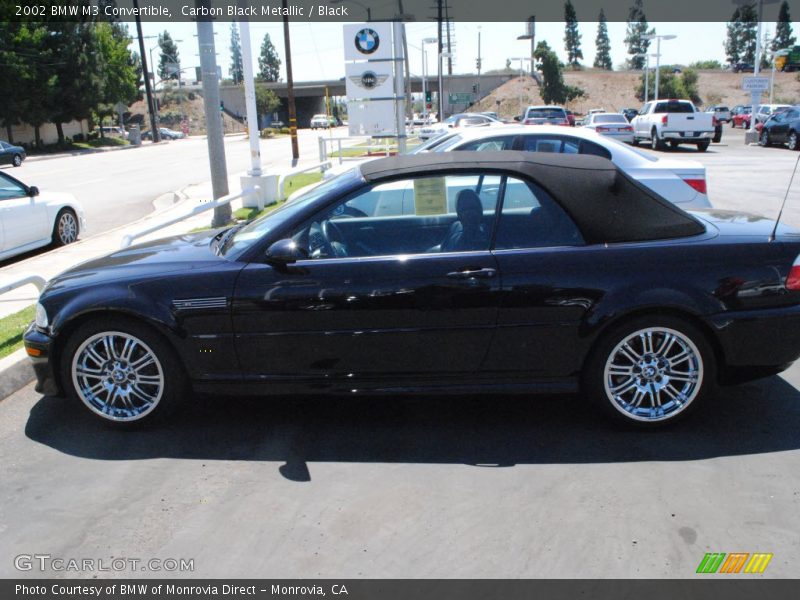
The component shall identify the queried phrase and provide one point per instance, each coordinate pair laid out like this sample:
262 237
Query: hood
741 224
156 258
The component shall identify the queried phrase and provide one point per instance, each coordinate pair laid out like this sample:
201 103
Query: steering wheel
331 232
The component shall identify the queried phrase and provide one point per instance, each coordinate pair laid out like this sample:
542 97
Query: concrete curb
40 157
16 371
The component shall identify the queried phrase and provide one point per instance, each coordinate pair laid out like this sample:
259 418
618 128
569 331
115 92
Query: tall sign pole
287 44
211 103
250 99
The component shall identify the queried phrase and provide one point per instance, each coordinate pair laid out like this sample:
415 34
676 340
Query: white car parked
30 220
613 125
459 121
680 181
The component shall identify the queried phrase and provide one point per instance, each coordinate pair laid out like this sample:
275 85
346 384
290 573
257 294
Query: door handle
473 274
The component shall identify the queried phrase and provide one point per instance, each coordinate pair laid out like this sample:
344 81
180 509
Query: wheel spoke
679 358
630 353
628 384
144 361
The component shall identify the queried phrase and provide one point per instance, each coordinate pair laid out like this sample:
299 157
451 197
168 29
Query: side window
10 189
792 115
540 143
588 147
440 213
644 109
504 142
532 219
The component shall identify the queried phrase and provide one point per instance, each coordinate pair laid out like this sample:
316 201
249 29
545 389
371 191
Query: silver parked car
613 125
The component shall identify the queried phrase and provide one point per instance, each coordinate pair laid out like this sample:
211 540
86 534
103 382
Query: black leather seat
468 232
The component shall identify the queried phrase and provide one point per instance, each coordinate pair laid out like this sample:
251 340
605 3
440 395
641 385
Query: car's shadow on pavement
757 418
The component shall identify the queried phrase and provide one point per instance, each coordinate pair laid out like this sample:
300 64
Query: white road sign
755 84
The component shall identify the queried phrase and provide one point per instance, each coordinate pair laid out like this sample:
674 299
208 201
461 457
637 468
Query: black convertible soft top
606 204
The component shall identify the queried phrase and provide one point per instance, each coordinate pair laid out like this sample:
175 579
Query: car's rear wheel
122 371
656 143
650 371
793 143
635 141
17 160
65 230
703 146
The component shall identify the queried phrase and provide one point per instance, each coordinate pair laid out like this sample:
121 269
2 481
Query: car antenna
783 204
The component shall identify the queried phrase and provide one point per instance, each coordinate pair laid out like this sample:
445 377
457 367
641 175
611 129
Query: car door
383 293
5 154
24 216
544 295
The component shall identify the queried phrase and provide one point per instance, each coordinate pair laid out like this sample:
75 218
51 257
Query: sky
318 48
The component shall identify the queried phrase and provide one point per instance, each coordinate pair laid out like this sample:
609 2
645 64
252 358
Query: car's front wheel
702 146
65 230
17 160
122 371
793 142
650 371
765 138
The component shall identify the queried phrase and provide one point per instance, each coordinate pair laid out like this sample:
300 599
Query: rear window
610 119
545 113
674 107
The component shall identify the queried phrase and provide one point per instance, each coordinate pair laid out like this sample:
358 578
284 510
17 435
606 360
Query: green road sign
460 98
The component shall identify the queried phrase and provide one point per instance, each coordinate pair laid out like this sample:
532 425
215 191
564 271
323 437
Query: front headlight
41 317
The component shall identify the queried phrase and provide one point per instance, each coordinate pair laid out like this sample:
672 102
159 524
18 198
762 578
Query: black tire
594 384
16 160
173 385
764 140
733 124
793 142
63 232
656 143
717 134
674 145
635 141
702 146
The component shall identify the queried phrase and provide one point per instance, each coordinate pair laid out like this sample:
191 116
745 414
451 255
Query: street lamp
429 40
366 8
658 39
531 35
776 54
441 85
646 73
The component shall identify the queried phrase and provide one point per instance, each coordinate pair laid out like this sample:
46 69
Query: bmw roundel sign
367 40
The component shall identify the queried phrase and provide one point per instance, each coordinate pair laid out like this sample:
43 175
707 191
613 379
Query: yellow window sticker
430 196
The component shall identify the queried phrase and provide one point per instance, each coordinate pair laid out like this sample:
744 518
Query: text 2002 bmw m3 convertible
456 272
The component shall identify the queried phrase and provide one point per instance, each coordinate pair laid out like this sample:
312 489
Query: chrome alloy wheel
117 376
67 228
653 374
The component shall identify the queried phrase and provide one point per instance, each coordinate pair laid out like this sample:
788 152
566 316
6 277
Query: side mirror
285 252
33 191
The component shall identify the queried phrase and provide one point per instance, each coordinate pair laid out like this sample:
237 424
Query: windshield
674 107
433 143
250 233
610 119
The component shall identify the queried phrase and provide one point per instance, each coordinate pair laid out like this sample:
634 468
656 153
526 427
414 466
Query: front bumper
39 347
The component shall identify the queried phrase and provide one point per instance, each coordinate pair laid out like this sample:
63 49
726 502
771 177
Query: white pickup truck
674 122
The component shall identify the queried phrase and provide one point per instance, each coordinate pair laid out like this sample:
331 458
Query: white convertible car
30 220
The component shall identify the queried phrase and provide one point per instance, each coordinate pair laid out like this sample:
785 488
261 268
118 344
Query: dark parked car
783 128
11 155
456 272
742 67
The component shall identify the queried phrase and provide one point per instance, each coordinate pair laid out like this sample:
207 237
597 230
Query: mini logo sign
736 562
367 41
368 80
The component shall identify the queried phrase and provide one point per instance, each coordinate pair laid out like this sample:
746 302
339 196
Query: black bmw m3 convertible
503 272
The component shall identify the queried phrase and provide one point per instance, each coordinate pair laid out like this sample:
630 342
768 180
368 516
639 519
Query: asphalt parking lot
484 486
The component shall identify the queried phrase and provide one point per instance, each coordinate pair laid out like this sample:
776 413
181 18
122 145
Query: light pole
366 8
658 39
776 54
430 40
531 35
441 85
521 60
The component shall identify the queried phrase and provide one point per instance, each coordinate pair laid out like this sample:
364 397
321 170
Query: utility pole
146 75
439 50
211 103
287 44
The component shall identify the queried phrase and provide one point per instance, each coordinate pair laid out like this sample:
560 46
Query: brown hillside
615 90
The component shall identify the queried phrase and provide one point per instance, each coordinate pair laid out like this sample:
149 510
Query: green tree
748 32
672 85
236 70
553 89
783 29
706 65
572 37
266 100
120 68
169 56
638 28
733 40
602 59
269 64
